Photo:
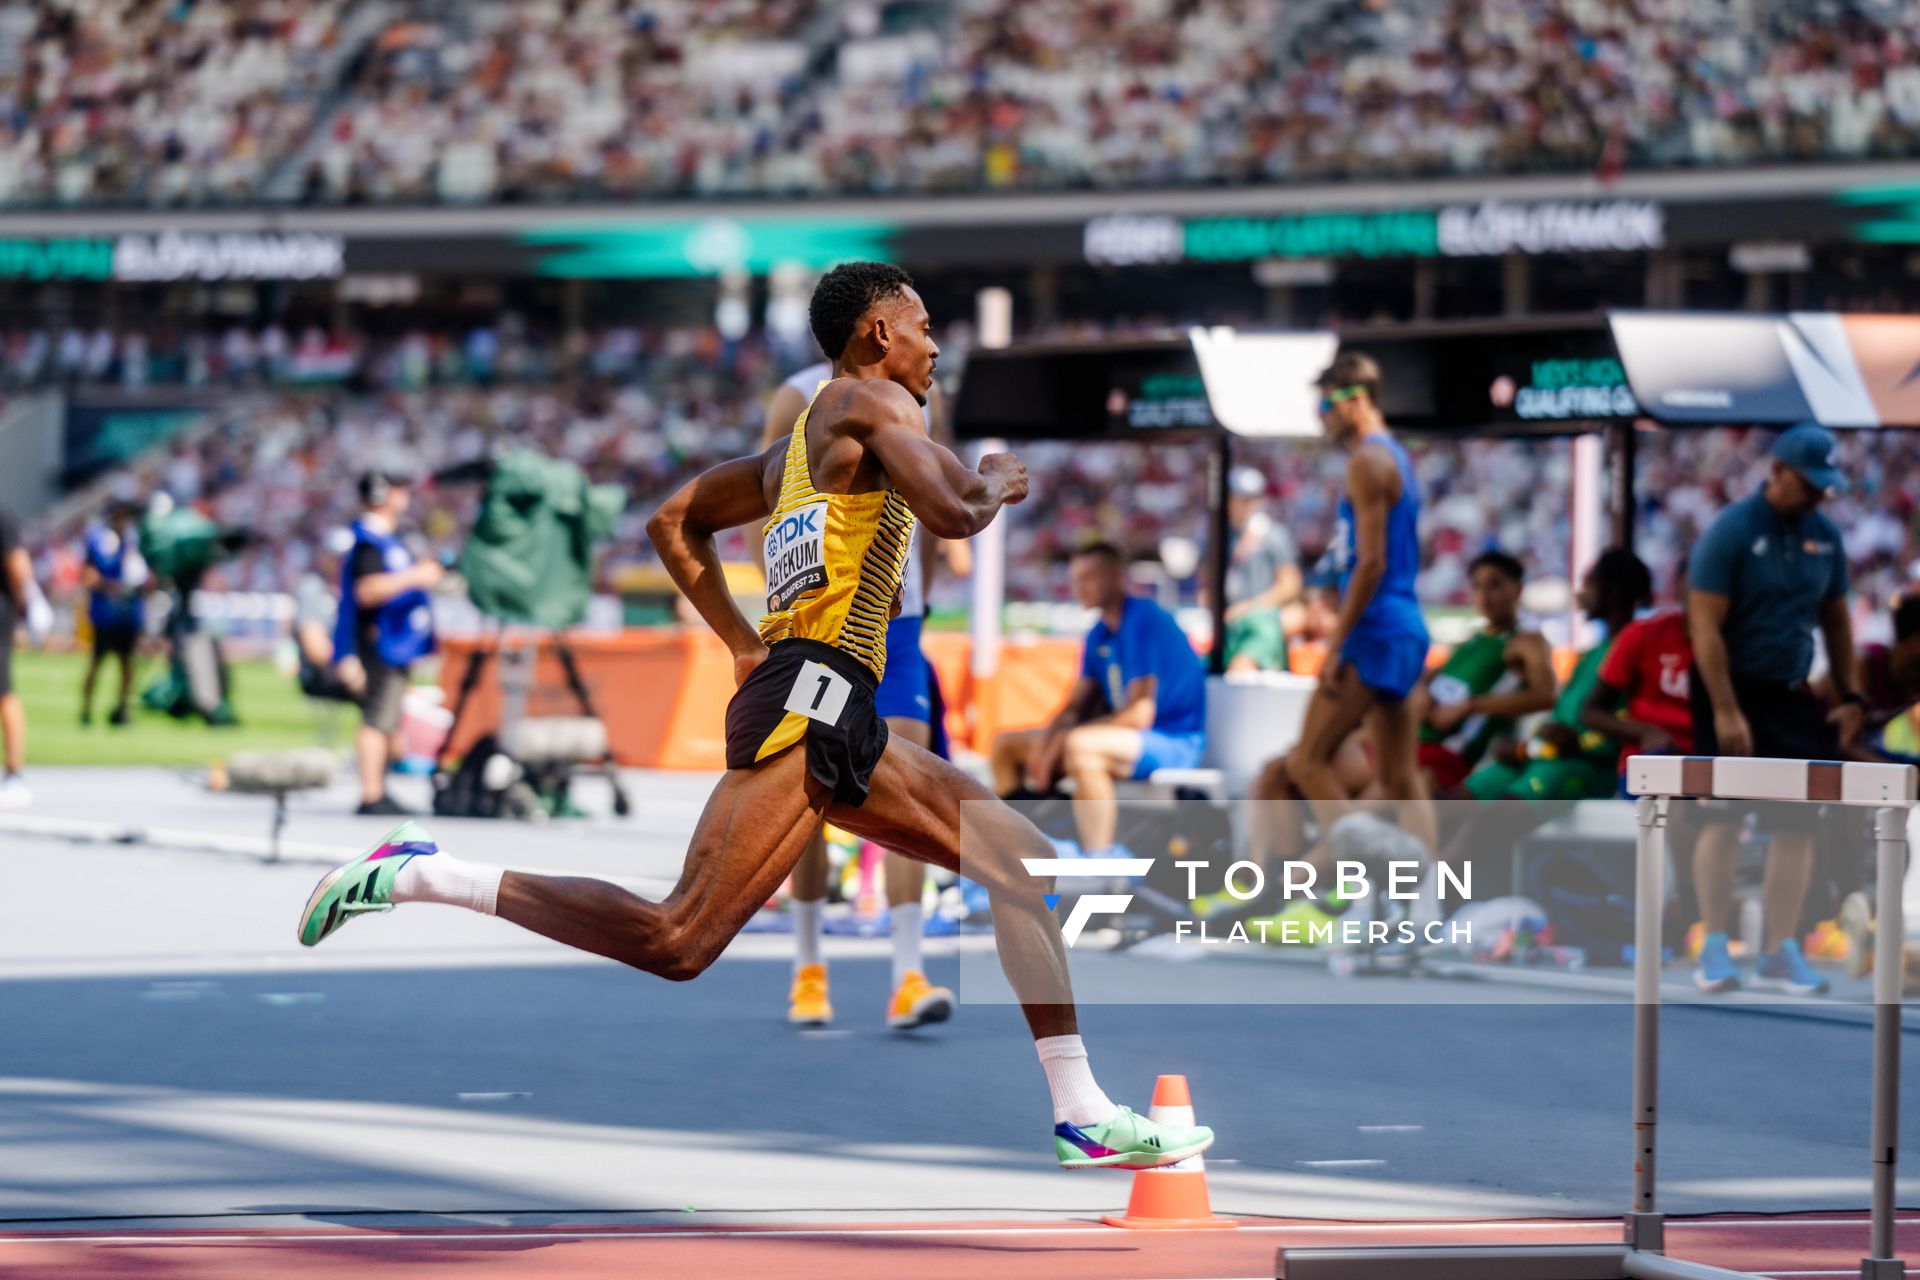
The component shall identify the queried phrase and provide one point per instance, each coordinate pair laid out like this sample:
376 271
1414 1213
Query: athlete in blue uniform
1379 645
908 700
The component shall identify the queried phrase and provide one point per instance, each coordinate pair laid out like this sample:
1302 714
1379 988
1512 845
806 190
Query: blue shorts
906 691
1169 751
1388 663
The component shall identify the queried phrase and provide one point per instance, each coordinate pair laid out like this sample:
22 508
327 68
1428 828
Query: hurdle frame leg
1889 982
279 825
1645 1225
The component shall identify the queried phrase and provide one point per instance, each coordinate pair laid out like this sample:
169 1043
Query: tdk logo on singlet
796 555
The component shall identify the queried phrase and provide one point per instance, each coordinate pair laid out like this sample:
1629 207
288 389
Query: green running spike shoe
364 884
1128 1141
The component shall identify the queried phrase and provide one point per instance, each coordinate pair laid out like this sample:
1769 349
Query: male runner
1378 649
804 745
905 701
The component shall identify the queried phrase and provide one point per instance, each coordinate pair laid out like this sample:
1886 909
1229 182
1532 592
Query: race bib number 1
820 693
796 555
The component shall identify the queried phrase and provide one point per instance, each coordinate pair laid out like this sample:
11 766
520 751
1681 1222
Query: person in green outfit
1263 576
1562 759
1488 683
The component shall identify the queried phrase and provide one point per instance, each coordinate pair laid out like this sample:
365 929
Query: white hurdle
1890 789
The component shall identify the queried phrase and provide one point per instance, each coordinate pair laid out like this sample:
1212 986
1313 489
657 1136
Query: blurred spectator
1263 577
316 610
116 580
1643 698
384 625
1490 682
549 100
1139 705
1563 759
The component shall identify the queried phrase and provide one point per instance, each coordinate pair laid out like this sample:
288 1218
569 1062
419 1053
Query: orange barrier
663 691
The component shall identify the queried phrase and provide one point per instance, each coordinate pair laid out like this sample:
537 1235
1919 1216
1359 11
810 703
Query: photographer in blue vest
115 578
385 626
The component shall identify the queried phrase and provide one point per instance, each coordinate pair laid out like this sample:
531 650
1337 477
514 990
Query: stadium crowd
335 101
129 101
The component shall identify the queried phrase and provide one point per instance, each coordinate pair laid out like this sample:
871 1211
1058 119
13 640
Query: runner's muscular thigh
754 828
925 808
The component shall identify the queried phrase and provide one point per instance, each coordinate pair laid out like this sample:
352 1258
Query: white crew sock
806 932
904 923
440 877
1077 1098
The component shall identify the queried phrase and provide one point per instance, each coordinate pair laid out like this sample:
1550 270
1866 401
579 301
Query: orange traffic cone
1172 1198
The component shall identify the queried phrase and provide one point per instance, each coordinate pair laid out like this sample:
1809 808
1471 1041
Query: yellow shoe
1856 922
917 1002
807 1004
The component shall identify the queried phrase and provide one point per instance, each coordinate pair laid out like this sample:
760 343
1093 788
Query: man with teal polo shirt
1768 572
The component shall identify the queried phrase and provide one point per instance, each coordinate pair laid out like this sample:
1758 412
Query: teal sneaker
1128 1141
364 884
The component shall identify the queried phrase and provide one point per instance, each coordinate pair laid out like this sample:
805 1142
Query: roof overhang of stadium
1695 369
1527 377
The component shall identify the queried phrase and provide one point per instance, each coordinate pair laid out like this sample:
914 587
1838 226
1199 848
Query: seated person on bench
1139 704
1498 675
316 608
1642 699
1563 759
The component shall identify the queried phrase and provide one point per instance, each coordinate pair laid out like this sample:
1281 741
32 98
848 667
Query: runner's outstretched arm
725 497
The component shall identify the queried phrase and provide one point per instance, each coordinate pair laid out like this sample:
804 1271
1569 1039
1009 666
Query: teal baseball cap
1808 449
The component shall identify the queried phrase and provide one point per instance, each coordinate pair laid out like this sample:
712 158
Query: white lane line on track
789 1233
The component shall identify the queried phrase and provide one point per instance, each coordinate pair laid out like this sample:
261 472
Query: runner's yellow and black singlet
834 566
835 561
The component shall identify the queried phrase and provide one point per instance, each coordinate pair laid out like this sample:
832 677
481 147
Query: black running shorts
814 692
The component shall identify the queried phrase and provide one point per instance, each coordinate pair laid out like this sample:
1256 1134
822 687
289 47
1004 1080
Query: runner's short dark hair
1624 577
1101 550
845 294
1500 560
1906 617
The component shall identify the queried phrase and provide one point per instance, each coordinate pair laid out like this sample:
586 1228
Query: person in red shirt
1648 671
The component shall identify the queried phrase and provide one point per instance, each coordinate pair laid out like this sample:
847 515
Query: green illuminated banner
1890 215
703 248
1397 233
70 259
